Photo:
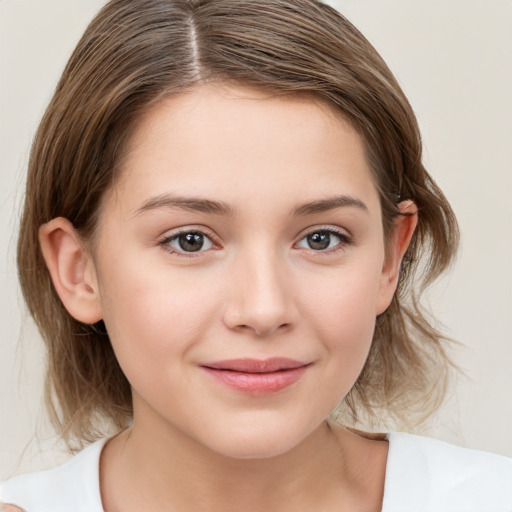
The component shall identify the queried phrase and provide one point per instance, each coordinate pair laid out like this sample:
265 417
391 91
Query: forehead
235 143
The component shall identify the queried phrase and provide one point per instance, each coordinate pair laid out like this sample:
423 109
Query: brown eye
191 241
323 240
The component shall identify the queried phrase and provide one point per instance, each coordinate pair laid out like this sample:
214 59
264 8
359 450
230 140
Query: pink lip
256 376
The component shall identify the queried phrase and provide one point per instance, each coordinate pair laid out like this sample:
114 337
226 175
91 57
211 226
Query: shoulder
72 486
438 477
9 508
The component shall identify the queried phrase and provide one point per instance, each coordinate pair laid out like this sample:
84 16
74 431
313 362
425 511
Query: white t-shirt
422 475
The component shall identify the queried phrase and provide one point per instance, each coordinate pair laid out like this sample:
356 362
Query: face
239 266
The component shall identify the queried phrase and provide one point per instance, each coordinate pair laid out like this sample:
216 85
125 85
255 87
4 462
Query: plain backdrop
454 60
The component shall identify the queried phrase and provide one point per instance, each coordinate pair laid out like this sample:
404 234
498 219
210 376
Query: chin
258 441
251 450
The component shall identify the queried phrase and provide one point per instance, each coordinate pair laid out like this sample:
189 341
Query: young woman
225 210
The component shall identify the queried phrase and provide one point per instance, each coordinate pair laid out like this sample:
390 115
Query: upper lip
248 365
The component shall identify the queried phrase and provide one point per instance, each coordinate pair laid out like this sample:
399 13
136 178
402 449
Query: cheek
152 312
345 304
343 317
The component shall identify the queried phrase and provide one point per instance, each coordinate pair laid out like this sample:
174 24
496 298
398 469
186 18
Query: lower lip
258 383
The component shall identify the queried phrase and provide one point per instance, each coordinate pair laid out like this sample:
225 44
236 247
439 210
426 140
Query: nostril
272 329
261 307
260 330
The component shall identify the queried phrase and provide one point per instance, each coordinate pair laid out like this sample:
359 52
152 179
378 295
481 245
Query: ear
397 246
71 269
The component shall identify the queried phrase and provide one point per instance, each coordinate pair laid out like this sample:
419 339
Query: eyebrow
202 205
330 203
192 204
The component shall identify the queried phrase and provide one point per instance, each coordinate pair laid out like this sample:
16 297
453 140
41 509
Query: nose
260 299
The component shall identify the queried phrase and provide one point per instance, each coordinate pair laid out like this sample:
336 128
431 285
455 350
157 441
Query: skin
256 289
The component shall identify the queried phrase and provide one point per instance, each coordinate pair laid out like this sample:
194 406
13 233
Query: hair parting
136 52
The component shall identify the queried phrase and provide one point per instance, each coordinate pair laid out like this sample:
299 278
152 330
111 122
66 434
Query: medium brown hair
133 54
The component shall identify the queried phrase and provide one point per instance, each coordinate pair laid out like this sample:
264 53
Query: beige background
454 61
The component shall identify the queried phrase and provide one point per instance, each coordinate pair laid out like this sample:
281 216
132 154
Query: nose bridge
260 298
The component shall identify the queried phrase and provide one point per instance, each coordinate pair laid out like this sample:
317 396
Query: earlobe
72 271
400 239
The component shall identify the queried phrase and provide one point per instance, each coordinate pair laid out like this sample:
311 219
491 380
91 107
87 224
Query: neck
327 469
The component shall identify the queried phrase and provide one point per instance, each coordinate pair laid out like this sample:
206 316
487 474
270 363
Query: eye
188 241
323 240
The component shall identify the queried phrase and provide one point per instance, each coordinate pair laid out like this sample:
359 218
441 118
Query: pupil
319 241
191 242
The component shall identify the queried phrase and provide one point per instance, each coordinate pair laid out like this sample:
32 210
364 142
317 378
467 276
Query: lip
257 376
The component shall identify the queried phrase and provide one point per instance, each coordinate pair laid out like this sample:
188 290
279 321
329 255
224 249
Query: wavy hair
134 53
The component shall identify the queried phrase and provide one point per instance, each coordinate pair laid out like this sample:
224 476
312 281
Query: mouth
257 376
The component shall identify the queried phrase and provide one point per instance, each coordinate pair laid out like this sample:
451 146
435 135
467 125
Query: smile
255 376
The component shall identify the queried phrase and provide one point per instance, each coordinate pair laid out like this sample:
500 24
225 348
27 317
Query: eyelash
344 241
165 242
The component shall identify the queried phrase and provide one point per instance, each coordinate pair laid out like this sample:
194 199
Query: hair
136 52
